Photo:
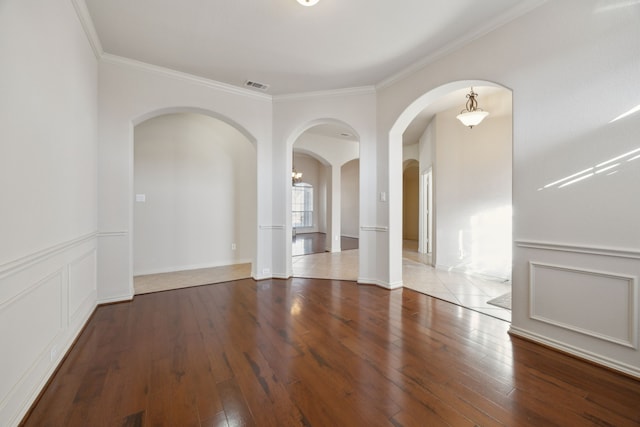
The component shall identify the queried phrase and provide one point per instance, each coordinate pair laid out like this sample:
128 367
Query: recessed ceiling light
308 2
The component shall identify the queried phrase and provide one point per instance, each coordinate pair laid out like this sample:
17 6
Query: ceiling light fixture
472 115
308 2
296 177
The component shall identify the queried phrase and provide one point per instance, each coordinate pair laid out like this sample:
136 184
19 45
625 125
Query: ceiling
456 99
336 44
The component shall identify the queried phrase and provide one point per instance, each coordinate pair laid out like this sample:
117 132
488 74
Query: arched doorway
194 213
325 146
471 174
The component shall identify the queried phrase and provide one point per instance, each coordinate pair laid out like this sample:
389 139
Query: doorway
465 196
195 202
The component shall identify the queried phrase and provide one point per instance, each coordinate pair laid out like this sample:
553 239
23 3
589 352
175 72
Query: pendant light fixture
308 2
472 115
296 177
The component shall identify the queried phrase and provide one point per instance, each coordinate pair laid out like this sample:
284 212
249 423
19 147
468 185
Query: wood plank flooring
306 352
315 243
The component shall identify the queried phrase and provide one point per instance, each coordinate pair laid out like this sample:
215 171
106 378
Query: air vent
256 85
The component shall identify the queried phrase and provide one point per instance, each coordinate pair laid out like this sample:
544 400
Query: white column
333 210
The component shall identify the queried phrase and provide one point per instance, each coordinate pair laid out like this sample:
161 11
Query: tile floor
184 279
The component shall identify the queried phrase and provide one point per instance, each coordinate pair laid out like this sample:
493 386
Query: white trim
280 276
578 352
111 300
26 261
271 227
122 233
377 228
380 283
632 283
179 75
350 236
358 90
497 22
87 25
591 250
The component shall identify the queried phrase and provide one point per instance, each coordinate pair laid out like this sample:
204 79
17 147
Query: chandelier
296 177
472 115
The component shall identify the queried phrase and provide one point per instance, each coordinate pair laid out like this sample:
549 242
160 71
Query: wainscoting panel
37 313
580 299
45 300
574 298
82 285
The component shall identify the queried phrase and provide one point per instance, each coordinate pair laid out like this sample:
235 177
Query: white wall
130 93
350 203
293 115
198 176
48 134
473 192
568 81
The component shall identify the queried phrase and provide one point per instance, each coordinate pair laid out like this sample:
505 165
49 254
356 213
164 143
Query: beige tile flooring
184 279
461 289
457 288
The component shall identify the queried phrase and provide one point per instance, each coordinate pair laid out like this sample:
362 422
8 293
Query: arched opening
322 151
194 214
470 172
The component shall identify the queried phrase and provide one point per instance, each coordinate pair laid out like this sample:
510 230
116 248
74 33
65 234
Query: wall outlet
233 246
54 353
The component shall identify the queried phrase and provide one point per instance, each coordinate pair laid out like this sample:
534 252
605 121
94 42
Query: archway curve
395 166
293 137
409 162
196 110
155 113
290 141
312 154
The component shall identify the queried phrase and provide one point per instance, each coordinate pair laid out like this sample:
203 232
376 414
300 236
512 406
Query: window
302 205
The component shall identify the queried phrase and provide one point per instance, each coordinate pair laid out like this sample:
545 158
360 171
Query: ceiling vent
256 85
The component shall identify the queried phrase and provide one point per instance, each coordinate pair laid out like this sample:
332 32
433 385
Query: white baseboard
380 284
578 352
471 273
113 300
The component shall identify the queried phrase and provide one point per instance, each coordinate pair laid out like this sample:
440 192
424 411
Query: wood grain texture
306 352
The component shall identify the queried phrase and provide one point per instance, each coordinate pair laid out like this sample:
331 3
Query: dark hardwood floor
306 352
314 243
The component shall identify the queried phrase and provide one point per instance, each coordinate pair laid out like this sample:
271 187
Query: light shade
472 115
472 118
308 2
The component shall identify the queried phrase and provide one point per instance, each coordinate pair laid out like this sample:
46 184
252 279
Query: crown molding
179 75
499 21
359 90
87 25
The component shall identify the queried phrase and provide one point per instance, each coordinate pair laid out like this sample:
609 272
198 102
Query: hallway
460 289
